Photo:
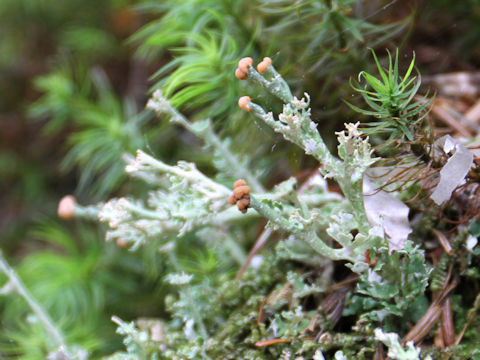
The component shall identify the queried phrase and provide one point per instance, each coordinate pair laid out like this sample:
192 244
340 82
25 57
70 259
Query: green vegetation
351 233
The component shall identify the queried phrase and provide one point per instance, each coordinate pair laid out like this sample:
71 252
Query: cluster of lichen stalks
432 315
243 200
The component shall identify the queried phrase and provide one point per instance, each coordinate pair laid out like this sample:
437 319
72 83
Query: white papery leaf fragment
454 171
386 211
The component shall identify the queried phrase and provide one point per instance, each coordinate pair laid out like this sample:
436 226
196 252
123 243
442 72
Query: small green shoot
390 100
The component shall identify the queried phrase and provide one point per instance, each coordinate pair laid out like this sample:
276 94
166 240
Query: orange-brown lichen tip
244 63
263 65
66 207
243 103
122 243
240 191
239 182
243 204
239 74
231 200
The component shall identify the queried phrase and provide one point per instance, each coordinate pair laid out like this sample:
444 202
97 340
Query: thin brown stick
443 115
431 316
263 343
261 311
447 326
379 353
442 239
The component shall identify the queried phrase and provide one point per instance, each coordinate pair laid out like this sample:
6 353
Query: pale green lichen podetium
182 200
204 130
295 124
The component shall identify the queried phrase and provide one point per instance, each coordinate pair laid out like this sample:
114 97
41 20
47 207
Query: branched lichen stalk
295 124
160 104
353 191
87 212
318 148
193 177
297 229
323 249
275 217
310 140
277 86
